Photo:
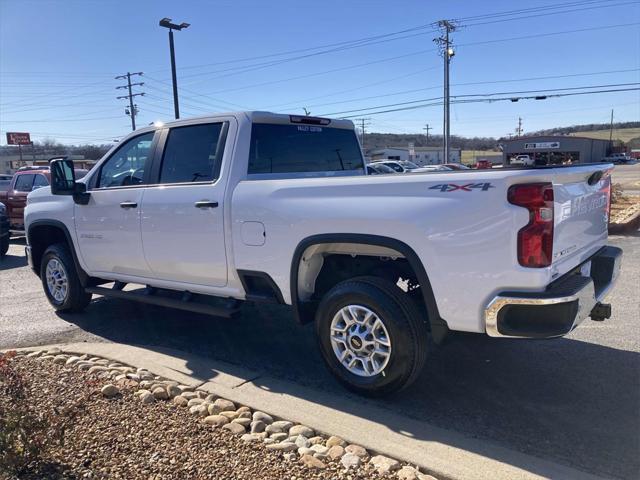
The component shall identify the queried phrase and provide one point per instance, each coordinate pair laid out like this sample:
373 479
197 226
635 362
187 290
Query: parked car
398 166
456 166
22 183
379 169
523 160
255 206
483 164
5 184
432 168
4 230
618 158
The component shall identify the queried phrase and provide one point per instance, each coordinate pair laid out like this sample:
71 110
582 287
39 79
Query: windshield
408 164
279 148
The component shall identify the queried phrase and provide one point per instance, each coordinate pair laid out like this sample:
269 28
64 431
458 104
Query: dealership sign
18 138
541 145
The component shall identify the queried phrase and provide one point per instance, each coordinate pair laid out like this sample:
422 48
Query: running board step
172 299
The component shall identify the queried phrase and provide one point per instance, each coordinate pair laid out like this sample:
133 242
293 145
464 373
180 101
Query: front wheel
372 336
60 280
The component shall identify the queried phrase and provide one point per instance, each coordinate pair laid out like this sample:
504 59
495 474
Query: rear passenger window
193 154
24 183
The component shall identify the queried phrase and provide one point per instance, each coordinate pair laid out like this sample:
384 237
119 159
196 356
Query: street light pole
166 22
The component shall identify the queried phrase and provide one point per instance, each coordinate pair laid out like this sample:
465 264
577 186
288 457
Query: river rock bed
131 424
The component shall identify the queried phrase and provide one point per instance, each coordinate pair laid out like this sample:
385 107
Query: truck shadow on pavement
14 261
563 400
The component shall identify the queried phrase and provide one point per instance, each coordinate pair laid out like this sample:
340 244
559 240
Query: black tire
75 299
408 331
4 245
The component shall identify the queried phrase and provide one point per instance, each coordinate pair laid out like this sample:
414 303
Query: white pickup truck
205 213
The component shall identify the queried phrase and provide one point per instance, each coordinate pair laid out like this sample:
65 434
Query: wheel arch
305 311
43 233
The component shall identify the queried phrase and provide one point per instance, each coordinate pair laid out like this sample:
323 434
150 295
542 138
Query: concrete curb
443 453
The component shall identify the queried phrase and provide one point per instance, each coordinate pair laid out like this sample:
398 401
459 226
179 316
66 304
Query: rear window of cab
277 148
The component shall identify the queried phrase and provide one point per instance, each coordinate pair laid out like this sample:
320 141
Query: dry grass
623 134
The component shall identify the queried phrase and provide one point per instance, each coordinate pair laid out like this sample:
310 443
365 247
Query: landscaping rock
357 450
216 420
231 414
258 427
147 398
282 447
302 442
385 465
333 440
181 401
305 451
279 427
222 405
188 395
235 428
317 440
321 449
301 430
110 390
350 460
262 417
408 473
160 393
173 391
312 462
245 422
199 410
251 437
279 437
195 401
336 452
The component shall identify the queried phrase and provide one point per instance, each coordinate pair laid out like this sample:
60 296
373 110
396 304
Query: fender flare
84 278
439 327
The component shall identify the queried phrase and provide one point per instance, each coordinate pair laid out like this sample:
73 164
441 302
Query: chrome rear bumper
560 308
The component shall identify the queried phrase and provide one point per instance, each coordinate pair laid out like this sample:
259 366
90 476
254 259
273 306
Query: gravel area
107 420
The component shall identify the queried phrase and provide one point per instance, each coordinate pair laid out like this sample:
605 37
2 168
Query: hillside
621 134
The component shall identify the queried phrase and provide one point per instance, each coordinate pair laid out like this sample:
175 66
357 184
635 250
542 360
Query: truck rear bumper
561 307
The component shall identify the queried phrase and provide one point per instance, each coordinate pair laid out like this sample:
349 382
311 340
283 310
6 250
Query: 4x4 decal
452 187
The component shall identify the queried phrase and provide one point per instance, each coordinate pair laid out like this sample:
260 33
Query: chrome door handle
205 204
128 205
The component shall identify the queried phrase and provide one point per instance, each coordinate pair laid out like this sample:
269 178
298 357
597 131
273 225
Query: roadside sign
18 138
541 145
412 150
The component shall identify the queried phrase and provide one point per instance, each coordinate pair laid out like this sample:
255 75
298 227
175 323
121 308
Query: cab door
108 227
182 215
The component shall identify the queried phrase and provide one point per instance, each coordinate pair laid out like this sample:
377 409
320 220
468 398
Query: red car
483 164
15 198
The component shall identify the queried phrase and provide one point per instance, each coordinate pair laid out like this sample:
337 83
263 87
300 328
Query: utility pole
611 131
427 128
447 52
519 129
363 125
132 110
166 22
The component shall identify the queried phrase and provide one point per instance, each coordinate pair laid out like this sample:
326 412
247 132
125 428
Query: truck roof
258 116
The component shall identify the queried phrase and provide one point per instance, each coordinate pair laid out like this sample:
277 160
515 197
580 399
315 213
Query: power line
481 95
500 99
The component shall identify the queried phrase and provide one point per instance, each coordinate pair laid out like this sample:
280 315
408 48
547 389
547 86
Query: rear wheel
4 245
371 335
60 280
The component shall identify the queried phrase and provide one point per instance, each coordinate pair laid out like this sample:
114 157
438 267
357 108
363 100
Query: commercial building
555 150
10 163
418 155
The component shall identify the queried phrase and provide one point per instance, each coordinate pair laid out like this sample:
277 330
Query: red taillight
535 240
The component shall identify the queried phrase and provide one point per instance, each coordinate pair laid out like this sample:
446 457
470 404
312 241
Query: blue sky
58 60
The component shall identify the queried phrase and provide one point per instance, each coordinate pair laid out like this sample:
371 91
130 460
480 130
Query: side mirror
63 177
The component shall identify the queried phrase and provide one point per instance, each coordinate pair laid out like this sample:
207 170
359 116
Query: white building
419 155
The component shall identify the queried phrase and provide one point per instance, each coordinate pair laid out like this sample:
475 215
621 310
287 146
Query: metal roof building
553 149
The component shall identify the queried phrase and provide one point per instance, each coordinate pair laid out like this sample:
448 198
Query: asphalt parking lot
574 400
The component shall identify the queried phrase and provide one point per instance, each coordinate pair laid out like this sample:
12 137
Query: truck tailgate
581 211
